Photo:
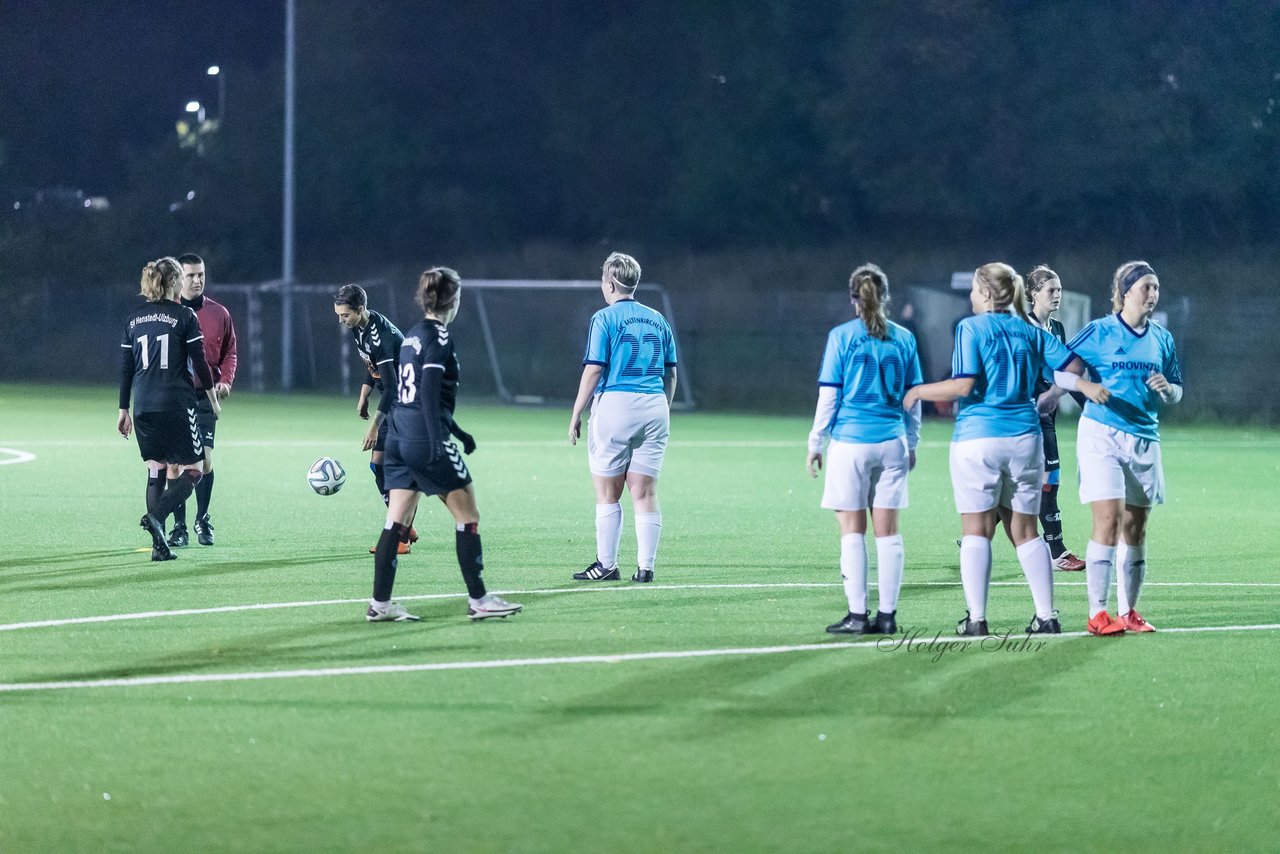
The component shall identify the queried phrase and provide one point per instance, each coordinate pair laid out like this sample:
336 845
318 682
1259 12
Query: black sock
155 489
380 478
471 559
179 514
1051 520
203 490
178 492
384 562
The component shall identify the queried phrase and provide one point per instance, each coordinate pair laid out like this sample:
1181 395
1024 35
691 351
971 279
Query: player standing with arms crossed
1118 444
161 348
868 365
629 379
997 456
220 354
421 460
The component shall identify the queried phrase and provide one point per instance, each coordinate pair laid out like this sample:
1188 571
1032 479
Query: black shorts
380 443
405 466
205 420
169 437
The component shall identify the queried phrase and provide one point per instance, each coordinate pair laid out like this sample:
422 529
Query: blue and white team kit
1118 445
868 458
997 454
630 418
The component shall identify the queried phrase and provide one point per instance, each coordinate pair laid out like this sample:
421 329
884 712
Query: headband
1133 276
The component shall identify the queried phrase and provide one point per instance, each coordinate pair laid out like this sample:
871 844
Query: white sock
1131 569
1099 562
889 560
975 574
381 606
648 532
608 534
853 569
1038 568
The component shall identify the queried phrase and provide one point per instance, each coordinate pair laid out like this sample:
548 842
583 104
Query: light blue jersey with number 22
633 345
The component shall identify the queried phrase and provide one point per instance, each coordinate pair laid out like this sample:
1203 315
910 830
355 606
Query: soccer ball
326 476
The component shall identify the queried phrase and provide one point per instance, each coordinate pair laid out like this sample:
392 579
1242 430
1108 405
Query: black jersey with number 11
162 345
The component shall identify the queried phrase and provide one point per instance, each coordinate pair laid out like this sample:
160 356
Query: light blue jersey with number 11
634 346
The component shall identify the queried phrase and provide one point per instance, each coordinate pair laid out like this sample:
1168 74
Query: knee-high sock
155 489
648 532
385 562
204 489
853 569
380 478
1037 566
1099 563
608 534
1131 570
1051 520
179 512
975 574
471 559
177 491
890 557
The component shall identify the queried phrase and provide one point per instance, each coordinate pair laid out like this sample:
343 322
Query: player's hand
468 441
217 407
911 460
362 408
124 424
222 390
370 437
1158 383
909 399
814 463
1094 391
1047 403
575 429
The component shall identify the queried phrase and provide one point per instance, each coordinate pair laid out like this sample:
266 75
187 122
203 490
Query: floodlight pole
286 260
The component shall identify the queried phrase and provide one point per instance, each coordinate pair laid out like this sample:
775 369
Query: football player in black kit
378 343
422 460
161 349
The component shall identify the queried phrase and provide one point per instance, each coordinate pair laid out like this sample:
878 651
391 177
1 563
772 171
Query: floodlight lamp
214 71
193 106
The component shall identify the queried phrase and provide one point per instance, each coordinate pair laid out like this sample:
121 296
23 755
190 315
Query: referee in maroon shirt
220 352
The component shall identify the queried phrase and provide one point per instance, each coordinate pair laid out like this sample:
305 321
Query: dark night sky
81 83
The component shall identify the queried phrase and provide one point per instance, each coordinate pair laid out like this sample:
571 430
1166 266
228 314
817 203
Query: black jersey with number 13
427 348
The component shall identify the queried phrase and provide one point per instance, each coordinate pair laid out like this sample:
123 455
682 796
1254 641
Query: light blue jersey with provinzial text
1005 355
1122 360
633 345
871 376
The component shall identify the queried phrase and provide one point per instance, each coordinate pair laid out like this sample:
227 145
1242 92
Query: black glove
468 441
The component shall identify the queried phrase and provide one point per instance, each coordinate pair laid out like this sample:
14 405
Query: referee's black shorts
405 466
172 436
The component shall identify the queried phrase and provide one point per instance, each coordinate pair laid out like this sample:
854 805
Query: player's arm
943 391
823 415
1071 378
124 424
1167 382
586 388
227 361
203 374
669 383
362 404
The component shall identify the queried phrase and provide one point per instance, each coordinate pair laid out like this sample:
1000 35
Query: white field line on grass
501 663
621 588
12 455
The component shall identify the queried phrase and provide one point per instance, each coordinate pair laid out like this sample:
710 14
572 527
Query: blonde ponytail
870 287
161 279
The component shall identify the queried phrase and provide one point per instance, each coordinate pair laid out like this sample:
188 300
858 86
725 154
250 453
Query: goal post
534 332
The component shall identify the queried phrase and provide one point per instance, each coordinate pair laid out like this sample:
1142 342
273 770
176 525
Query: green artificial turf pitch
1168 741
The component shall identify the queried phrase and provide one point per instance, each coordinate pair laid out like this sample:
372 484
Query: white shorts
866 474
1115 464
627 432
1005 471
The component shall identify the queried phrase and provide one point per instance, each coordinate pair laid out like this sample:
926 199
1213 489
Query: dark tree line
688 124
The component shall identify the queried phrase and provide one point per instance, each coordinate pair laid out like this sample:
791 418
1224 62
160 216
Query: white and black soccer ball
326 476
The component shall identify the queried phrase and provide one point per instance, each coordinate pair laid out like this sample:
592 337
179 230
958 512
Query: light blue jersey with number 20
633 345
871 376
